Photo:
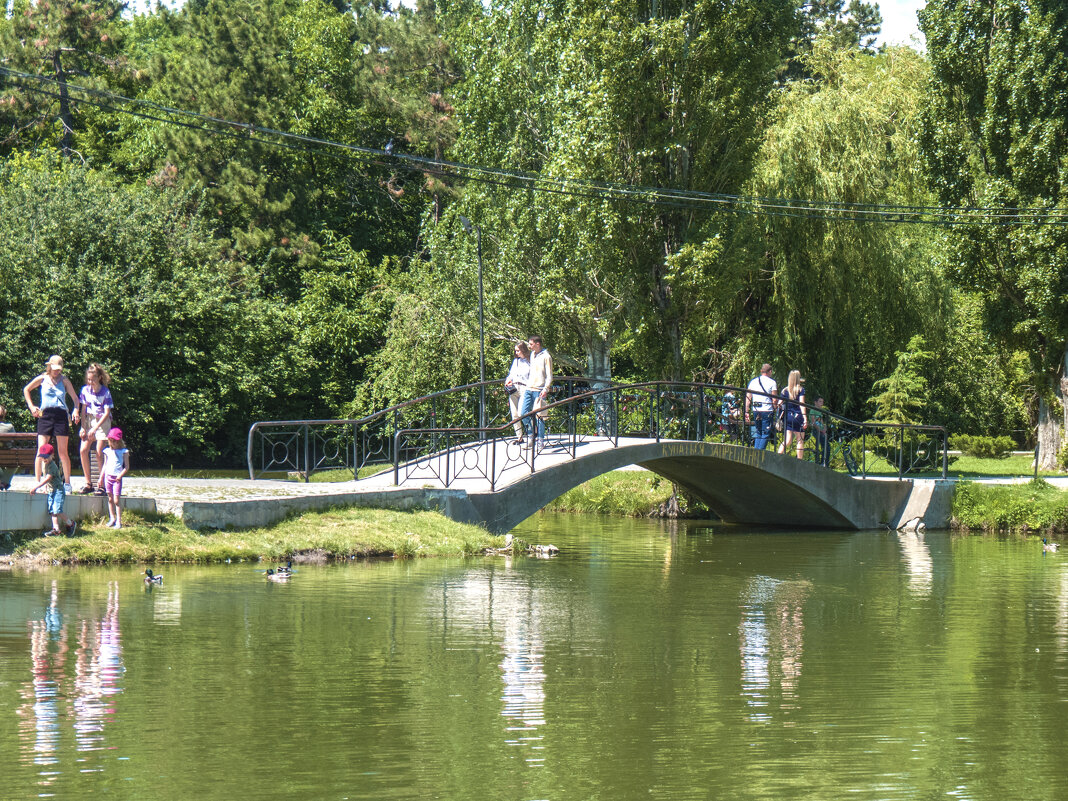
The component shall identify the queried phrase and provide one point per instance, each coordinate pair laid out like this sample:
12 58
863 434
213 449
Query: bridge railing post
655 394
355 452
701 413
396 459
864 452
448 449
614 432
900 451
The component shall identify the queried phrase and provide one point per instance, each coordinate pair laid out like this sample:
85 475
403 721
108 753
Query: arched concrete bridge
444 455
739 484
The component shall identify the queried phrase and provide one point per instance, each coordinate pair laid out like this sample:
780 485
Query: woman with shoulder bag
515 383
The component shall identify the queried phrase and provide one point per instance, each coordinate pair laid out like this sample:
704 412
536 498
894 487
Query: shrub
982 447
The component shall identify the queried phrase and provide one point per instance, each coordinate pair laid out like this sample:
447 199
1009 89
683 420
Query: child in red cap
53 475
116 465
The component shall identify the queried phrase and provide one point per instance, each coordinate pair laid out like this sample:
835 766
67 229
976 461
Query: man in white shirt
538 385
760 407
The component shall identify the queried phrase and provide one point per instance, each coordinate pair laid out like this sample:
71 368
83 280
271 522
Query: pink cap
45 450
115 433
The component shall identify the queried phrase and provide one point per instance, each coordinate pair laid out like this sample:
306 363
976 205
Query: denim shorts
55 501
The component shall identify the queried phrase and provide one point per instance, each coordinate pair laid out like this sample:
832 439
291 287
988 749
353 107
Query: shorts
55 501
53 422
88 422
113 486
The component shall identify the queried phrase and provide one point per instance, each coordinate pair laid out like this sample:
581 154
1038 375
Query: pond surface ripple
647 660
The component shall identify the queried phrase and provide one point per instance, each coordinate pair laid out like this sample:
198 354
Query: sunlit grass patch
335 533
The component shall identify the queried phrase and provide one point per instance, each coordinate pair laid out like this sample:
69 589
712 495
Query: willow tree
830 297
996 134
643 93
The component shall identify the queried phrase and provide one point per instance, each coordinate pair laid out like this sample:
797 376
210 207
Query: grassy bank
629 493
1036 506
332 534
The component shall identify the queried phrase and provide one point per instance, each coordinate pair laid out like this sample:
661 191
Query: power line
518 180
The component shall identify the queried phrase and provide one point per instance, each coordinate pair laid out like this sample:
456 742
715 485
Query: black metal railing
437 437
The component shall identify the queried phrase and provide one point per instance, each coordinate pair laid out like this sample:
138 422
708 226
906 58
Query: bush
982 447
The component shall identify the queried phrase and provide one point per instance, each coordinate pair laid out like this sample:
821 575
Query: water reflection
917 558
771 637
51 697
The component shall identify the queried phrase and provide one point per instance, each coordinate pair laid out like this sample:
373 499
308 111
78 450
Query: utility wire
517 180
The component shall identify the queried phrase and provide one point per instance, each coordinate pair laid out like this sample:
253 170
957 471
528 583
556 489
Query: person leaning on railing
760 405
515 385
541 379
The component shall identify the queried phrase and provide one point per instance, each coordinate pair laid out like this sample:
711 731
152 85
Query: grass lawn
1034 506
331 534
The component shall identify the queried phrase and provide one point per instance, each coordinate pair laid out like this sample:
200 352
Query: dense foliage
224 278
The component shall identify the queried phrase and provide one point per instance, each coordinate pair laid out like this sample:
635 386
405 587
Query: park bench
17 451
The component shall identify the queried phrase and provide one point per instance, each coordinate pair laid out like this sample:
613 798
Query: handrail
659 409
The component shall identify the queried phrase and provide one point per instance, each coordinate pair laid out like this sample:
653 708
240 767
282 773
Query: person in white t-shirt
760 403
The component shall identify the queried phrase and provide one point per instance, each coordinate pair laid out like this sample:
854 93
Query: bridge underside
741 485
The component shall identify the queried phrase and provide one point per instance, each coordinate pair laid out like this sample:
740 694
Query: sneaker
72 528
116 524
48 533
111 523
67 489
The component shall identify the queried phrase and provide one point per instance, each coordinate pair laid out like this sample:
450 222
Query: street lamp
467 224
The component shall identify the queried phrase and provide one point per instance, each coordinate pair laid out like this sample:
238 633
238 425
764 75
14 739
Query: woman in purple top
96 405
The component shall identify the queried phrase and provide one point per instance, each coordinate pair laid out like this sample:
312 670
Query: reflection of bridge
687 433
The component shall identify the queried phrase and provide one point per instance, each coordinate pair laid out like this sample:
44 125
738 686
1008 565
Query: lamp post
467 224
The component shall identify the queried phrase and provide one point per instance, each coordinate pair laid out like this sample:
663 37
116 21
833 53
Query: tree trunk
1053 418
599 370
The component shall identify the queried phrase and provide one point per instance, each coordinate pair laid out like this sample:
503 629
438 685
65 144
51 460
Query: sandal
86 490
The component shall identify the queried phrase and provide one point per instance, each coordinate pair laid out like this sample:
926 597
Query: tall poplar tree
996 134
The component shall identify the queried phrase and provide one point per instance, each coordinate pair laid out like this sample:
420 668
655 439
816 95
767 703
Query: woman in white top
516 383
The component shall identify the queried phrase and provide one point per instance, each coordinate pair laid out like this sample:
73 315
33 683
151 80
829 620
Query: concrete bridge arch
741 485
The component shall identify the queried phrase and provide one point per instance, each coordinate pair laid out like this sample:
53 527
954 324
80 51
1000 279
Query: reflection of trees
50 695
770 640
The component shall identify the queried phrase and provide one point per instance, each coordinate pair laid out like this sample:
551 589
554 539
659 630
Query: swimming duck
279 576
287 570
151 579
1049 547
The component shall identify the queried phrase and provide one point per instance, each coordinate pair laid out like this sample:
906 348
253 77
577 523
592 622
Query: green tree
902 396
59 39
134 279
996 135
832 298
668 94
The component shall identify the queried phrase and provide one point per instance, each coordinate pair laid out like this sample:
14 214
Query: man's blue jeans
530 397
761 429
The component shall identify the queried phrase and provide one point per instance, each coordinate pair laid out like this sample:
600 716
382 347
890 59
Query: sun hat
115 433
55 361
45 450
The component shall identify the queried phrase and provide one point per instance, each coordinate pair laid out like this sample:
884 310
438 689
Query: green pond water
647 660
